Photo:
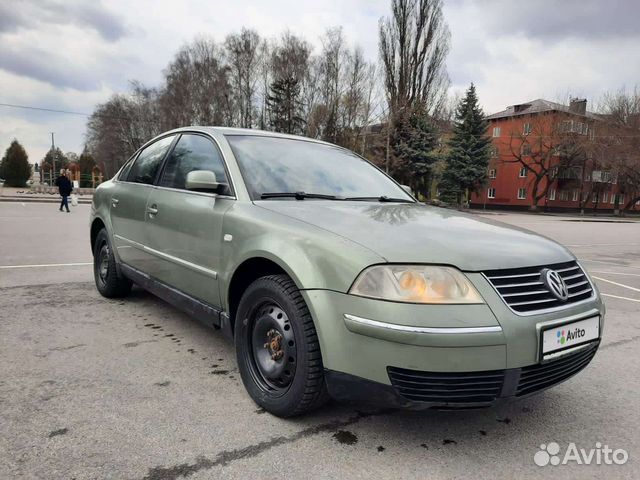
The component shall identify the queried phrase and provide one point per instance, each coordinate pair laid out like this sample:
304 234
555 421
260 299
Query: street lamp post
53 158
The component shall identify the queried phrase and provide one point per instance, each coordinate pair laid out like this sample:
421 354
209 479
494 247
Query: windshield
282 165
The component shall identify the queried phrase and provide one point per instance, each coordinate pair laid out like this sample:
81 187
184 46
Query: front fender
313 257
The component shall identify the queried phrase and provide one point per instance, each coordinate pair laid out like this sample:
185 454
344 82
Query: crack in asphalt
228 456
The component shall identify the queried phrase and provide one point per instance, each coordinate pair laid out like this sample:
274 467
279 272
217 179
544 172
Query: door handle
152 210
114 202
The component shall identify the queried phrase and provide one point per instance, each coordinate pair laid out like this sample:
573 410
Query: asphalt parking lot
96 388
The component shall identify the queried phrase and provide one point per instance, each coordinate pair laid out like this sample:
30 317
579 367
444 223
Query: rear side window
125 170
192 152
146 166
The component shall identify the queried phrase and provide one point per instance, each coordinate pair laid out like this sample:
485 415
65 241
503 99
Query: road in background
96 388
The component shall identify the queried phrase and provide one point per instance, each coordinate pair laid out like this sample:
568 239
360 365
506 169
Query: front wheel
277 348
108 282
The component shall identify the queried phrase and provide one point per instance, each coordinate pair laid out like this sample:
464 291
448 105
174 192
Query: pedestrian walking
64 187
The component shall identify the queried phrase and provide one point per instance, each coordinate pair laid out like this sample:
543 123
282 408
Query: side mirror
407 189
203 181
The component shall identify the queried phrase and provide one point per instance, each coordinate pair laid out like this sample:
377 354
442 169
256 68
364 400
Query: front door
185 227
129 203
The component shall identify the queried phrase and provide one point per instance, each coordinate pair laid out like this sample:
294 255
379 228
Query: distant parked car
333 280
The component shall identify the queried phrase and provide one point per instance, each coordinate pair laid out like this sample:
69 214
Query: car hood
417 233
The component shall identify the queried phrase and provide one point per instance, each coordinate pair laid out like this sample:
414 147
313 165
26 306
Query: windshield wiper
298 195
382 198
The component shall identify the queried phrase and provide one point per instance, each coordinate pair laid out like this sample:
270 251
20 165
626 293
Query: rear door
185 227
129 201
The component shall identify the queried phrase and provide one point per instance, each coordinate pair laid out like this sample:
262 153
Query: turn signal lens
415 284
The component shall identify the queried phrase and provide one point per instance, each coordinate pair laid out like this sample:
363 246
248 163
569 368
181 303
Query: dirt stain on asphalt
425 446
162 384
345 437
260 411
135 344
482 432
381 448
505 420
219 372
70 347
60 431
448 441
228 456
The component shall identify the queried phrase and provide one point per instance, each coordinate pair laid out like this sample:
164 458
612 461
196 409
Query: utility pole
53 158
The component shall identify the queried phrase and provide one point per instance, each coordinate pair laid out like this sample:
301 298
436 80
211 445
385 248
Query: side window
125 170
192 152
146 166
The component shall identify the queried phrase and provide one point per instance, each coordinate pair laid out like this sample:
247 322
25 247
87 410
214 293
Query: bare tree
197 89
548 151
414 43
243 54
620 139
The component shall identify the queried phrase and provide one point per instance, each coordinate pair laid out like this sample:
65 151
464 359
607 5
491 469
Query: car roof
245 131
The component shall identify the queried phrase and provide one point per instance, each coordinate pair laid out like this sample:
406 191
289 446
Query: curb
41 200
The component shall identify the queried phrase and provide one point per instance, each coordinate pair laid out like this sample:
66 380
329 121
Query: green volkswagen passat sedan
333 281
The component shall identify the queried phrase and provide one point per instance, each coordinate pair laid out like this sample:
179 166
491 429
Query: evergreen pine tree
414 142
285 106
14 167
468 158
86 164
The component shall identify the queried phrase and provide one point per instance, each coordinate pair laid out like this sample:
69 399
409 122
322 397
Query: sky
72 54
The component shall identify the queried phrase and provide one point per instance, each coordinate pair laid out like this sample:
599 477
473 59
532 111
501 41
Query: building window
552 194
492 173
491 193
523 172
594 198
495 153
564 195
605 197
522 193
496 131
621 199
526 149
613 198
526 130
576 193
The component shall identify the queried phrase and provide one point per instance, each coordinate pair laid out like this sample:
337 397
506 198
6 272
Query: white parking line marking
618 284
616 273
622 298
6 267
609 263
602 245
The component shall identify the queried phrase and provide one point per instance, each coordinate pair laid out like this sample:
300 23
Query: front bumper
438 344
417 390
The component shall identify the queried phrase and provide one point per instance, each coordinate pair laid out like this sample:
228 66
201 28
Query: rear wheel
277 348
108 282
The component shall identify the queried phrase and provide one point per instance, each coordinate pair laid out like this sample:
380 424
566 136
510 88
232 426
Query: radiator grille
525 292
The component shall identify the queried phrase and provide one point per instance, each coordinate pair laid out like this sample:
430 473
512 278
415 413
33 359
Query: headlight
415 284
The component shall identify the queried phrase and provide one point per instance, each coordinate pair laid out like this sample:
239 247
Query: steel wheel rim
271 348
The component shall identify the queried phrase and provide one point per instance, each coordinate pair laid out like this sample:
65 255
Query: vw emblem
555 284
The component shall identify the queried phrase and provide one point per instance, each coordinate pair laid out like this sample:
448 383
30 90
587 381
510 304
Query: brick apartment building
521 133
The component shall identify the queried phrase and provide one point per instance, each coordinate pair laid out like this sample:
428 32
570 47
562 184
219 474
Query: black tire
292 382
108 282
